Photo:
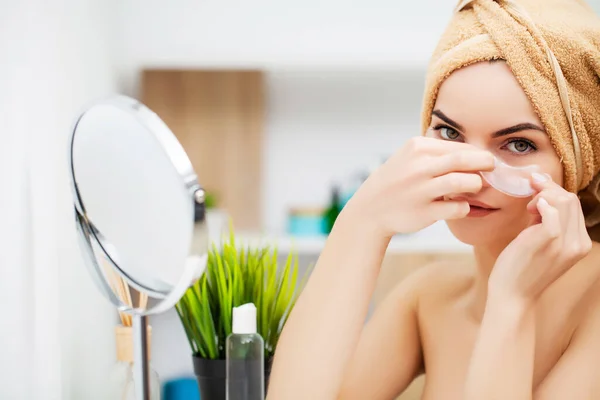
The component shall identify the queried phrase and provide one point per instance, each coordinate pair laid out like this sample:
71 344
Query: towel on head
553 49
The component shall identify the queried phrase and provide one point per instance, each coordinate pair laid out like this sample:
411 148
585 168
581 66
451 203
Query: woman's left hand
544 251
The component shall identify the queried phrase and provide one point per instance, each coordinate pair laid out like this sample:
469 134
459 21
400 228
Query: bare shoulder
578 295
587 278
581 287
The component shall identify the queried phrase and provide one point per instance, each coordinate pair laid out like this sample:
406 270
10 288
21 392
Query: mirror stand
140 356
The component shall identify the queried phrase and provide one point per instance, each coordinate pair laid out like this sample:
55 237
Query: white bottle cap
244 319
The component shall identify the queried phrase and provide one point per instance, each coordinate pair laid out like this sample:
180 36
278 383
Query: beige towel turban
553 49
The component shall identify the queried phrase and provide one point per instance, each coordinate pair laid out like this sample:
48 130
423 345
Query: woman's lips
477 208
477 211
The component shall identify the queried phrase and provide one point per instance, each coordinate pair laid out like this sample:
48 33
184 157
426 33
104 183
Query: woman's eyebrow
447 120
525 126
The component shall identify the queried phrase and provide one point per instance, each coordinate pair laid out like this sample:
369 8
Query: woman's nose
484 183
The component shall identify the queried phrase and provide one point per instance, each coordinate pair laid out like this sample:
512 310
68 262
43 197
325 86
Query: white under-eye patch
513 181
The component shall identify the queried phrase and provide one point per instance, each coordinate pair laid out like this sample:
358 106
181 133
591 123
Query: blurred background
283 107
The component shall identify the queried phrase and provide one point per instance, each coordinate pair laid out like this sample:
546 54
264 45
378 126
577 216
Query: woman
525 323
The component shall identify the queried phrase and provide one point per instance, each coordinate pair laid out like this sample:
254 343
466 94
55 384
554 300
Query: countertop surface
435 238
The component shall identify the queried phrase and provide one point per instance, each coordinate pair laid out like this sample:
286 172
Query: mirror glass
136 201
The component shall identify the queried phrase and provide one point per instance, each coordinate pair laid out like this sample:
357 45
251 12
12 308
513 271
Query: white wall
57 339
85 71
274 34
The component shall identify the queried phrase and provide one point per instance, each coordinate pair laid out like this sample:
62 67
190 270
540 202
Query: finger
454 183
569 207
448 209
540 181
438 147
567 204
471 160
536 217
575 242
532 205
550 218
553 193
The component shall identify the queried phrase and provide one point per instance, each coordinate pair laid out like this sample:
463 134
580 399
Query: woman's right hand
407 193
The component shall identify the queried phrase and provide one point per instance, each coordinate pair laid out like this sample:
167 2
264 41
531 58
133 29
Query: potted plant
236 275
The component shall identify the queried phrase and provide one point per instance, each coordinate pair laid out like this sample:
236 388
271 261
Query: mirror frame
90 239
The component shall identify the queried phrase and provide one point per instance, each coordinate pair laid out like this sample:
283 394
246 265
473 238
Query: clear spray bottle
245 357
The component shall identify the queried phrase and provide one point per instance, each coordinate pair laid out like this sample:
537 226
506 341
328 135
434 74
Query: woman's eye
520 146
449 133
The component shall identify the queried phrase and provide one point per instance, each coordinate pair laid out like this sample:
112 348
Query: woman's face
484 105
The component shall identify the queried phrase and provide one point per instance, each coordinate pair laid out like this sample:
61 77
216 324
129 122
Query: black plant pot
211 376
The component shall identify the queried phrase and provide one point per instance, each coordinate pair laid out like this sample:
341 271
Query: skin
522 324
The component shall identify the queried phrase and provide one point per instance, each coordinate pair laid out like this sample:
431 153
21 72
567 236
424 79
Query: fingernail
540 178
543 201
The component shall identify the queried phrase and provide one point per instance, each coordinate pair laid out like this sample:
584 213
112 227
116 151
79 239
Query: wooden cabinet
218 117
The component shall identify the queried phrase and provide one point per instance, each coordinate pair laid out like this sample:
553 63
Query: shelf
434 239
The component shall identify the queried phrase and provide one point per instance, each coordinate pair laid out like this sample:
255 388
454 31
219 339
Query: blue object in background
306 222
181 389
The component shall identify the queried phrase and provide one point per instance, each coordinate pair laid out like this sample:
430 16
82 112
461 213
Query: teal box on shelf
304 222
181 389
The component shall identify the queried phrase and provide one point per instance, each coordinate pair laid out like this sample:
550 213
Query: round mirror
138 208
